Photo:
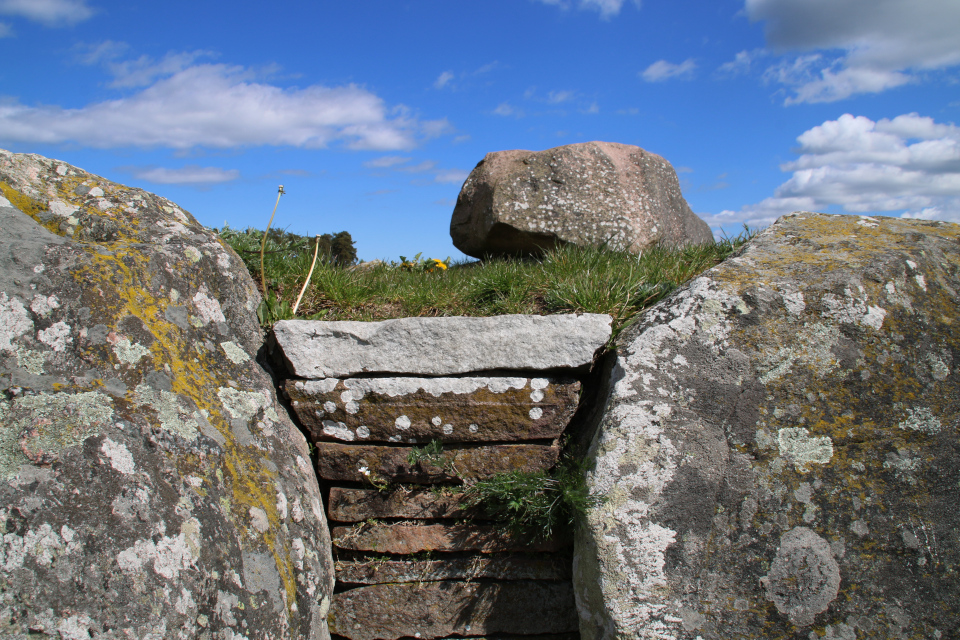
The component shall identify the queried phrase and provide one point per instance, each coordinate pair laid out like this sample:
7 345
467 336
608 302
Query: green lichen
173 416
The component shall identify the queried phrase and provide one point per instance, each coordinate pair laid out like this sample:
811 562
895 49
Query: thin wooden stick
316 251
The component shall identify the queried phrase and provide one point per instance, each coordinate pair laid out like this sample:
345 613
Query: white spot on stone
120 457
42 305
208 308
337 430
129 353
363 431
329 407
539 383
351 407
346 396
447 429
192 254
680 360
62 209
76 627
436 421
921 281
912 265
297 510
57 337
258 519
536 413
282 504
234 352
473 428
402 423
794 302
921 419
536 395
39 268
96 192
61 169
796 445
874 317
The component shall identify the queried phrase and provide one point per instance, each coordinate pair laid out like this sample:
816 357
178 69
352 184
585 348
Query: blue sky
371 113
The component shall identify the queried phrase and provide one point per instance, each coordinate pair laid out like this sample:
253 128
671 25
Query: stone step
441 346
511 567
423 409
440 609
407 539
365 463
356 505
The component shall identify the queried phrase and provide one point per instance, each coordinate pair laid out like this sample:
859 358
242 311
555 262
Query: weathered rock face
780 452
150 485
441 346
522 202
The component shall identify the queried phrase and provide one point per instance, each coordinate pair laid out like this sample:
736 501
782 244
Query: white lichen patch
234 353
395 387
921 419
35 429
402 423
208 309
129 353
120 457
43 305
193 255
536 413
32 361
57 336
43 544
169 556
173 417
14 322
811 347
337 430
246 405
62 209
798 447
258 519
853 309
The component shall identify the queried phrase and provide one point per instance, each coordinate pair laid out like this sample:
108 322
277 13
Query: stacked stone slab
498 394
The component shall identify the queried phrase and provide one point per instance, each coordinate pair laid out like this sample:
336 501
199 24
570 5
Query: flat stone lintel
356 505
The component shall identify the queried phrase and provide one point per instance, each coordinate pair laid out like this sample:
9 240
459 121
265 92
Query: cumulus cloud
385 162
607 8
881 43
907 166
188 175
557 97
451 176
505 109
221 106
662 70
401 164
52 13
741 63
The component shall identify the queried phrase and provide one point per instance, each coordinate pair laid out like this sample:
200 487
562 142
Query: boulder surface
151 486
780 451
522 202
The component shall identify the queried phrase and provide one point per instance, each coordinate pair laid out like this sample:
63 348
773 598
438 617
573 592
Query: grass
567 279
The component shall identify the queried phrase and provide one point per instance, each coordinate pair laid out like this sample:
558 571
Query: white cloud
741 62
504 109
220 106
191 175
909 165
144 70
879 42
53 13
607 8
662 70
557 97
451 176
6 31
385 161
443 80
420 167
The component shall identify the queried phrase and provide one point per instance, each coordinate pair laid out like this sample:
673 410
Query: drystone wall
412 560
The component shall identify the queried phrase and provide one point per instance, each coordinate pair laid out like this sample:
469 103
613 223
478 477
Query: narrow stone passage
412 558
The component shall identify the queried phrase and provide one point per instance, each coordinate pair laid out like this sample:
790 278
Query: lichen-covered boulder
780 452
151 486
522 202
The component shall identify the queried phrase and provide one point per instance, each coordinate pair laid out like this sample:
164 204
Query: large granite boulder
151 486
522 202
780 450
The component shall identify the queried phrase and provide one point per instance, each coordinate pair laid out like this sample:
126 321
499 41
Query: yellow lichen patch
31 207
117 285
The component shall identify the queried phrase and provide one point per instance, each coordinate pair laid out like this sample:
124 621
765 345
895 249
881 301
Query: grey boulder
151 485
522 202
780 450
441 346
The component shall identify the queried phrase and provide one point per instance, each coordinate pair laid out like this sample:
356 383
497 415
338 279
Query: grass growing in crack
566 279
534 504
